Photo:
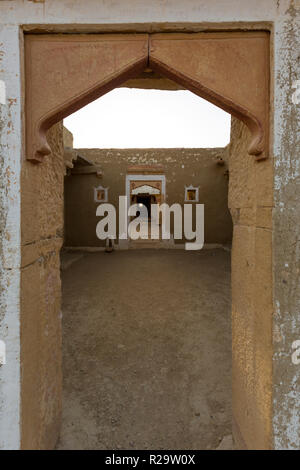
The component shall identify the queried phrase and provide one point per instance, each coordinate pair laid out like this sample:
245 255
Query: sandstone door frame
42 112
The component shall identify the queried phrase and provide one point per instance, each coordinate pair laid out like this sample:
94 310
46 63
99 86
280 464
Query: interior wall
42 231
182 167
251 204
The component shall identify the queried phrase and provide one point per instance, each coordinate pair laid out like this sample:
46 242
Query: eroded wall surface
286 233
10 231
181 167
42 232
251 204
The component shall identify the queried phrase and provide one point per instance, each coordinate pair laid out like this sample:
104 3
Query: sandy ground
147 351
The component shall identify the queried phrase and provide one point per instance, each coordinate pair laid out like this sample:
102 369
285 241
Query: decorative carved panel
229 69
63 73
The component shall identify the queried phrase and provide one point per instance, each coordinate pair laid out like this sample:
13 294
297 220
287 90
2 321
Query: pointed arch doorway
64 72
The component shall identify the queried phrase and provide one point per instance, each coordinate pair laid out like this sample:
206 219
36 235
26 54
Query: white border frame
58 17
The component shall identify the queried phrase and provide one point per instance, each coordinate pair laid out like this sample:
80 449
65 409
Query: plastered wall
286 231
42 231
197 167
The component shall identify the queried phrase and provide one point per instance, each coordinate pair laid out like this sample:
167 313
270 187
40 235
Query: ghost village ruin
149 296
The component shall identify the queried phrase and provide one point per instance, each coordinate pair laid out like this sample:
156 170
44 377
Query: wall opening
155 373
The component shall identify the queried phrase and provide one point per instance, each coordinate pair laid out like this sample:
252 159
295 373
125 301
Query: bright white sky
134 118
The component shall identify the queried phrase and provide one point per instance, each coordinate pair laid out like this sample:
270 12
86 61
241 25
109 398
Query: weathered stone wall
42 230
197 167
286 233
251 204
68 138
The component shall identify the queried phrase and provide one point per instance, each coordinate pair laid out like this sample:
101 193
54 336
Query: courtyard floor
147 350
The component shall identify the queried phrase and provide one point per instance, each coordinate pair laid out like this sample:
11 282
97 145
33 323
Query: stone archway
64 73
231 70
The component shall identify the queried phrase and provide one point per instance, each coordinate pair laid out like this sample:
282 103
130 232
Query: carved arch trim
230 70
65 72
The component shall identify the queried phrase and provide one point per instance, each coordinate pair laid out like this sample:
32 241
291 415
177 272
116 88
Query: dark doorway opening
145 199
